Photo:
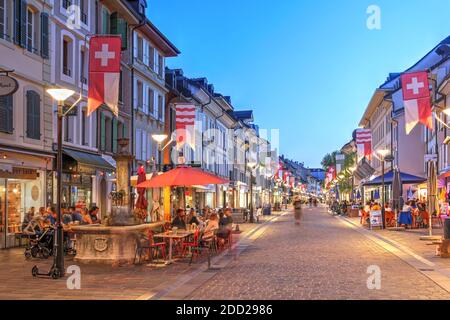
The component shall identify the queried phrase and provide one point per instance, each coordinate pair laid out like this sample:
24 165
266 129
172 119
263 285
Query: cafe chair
149 245
190 244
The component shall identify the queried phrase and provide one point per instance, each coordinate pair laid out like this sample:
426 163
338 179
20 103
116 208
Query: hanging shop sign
8 85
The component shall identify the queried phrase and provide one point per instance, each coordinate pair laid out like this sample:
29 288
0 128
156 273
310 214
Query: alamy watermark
74 280
374 279
374 18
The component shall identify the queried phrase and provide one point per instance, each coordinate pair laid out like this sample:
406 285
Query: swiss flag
104 72
417 100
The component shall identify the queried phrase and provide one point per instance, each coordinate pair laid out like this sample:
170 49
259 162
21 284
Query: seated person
179 220
193 218
67 217
86 217
76 216
225 224
93 213
211 226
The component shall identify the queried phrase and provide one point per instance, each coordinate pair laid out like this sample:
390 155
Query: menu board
376 219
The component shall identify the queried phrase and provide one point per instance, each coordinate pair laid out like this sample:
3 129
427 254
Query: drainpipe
135 27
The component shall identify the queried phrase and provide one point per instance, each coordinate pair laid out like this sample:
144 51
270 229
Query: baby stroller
41 244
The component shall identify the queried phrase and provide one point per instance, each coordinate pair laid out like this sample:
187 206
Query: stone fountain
114 242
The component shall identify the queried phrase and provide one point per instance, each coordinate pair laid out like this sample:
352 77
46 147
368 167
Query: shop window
33 115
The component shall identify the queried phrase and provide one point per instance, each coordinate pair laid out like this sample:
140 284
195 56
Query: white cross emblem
415 85
105 55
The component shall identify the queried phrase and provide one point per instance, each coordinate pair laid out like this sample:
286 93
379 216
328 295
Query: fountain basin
109 244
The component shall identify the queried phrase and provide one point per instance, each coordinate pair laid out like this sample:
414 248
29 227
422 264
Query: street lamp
384 153
352 171
160 138
251 166
57 270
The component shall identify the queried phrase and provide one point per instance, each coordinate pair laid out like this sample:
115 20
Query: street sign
8 85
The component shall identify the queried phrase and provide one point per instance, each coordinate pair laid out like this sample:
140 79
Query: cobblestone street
321 259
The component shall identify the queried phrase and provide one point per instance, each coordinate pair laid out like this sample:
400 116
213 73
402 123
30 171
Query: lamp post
57 270
251 166
160 138
352 171
385 156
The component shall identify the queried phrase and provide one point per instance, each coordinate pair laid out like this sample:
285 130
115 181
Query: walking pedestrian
297 210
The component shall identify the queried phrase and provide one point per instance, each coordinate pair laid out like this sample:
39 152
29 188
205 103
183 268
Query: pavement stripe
186 284
439 276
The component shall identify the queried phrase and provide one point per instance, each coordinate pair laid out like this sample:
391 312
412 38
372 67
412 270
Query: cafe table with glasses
177 234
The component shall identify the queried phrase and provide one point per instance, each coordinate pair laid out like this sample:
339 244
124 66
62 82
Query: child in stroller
41 242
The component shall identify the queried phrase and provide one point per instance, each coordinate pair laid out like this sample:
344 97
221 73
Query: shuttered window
33 115
20 22
44 35
151 101
6 114
120 27
102 132
114 135
105 22
2 19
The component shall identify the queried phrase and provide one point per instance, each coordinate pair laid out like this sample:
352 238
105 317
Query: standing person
258 214
297 210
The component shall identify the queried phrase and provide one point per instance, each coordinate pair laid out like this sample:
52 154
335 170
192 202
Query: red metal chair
158 245
191 244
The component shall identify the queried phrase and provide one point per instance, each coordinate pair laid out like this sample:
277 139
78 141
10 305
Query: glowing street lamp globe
60 94
159 137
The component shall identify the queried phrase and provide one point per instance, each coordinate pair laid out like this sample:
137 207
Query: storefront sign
8 85
376 219
19 173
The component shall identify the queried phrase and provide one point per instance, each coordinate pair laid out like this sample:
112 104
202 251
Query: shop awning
363 170
388 177
89 159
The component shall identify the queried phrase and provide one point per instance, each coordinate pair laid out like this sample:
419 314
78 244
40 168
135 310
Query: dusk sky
308 68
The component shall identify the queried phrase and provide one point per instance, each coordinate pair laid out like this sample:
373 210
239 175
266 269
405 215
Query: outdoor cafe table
171 236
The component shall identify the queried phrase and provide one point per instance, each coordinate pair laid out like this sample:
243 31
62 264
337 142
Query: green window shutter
102 132
17 10
114 133
23 23
114 23
125 131
123 31
6 114
33 115
44 35
120 27
105 22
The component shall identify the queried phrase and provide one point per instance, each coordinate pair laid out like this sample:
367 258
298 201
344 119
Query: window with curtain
30 30
33 124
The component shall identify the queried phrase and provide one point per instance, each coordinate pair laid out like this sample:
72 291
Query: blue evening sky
307 67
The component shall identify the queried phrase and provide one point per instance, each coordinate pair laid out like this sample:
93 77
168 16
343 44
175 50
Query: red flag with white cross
417 102
104 72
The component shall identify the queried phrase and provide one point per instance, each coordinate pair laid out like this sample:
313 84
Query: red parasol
182 176
141 202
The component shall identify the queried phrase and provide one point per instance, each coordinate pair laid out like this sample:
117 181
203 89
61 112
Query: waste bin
447 229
